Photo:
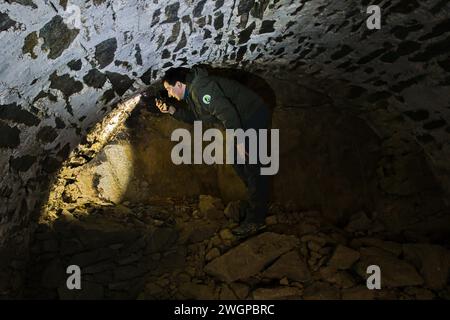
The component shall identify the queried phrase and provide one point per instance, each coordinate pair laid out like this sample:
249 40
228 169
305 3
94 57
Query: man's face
176 91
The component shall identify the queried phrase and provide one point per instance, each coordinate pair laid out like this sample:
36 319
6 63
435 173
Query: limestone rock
394 272
358 293
57 36
271 220
314 246
211 207
172 260
343 258
53 275
91 257
196 231
226 234
226 293
250 257
114 174
105 51
100 267
95 232
120 82
212 254
432 261
279 293
89 291
340 278
9 136
160 239
306 228
321 291
18 114
284 281
232 211
6 22
390 246
129 272
386 294
192 290
358 222
95 79
420 293
320 241
240 290
289 265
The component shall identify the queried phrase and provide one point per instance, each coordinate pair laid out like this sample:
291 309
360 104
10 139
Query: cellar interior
88 179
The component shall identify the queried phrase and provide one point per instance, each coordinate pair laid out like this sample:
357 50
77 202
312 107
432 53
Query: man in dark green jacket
216 99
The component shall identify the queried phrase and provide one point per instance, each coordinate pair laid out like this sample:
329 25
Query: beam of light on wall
117 117
100 182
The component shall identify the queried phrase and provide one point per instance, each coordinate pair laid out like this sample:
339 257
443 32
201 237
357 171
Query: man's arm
214 100
184 114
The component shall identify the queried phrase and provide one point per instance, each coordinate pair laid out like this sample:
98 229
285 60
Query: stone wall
399 71
65 61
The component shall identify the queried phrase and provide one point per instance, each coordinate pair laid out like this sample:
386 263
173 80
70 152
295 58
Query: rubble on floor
184 249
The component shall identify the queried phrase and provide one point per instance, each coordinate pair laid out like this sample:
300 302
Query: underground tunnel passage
88 179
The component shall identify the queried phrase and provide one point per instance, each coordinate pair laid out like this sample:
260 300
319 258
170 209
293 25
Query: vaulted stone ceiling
66 63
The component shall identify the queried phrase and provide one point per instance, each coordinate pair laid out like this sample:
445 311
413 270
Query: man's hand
163 107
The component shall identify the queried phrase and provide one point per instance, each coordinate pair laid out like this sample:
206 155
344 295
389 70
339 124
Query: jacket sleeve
213 99
184 114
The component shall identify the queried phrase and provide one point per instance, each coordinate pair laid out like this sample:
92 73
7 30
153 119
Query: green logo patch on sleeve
206 99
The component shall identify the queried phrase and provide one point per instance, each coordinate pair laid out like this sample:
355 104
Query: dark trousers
257 185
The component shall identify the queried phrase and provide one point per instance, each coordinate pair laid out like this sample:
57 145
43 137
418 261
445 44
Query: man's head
174 82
